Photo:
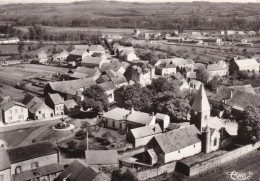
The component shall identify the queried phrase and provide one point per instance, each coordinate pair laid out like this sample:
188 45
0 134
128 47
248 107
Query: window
35 165
10 111
113 124
215 142
18 169
10 118
194 146
16 111
205 117
40 112
179 151
110 96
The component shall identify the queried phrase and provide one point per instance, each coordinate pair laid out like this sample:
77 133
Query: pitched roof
161 116
81 171
116 113
101 157
56 98
4 157
92 60
41 171
146 131
201 103
247 88
71 86
78 52
81 47
178 61
70 104
139 117
177 139
31 151
246 62
241 99
33 103
83 72
107 86
96 48
7 105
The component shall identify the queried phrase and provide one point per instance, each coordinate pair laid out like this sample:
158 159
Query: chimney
231 94
132 110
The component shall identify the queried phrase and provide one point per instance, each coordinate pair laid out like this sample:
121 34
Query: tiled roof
5 163
81 47
7 105
241 99
107 86
71 86
101 157
177 139
247 88
81 171
178 76
77 52
41 171
201 103
116 114
33 103
56 98
161 116
31 151
92 60
146 131
83 72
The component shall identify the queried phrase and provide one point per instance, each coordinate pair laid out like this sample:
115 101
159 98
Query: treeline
150 22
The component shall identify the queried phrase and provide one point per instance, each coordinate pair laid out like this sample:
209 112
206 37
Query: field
97 9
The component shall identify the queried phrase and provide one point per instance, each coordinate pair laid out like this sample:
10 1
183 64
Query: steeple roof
201 103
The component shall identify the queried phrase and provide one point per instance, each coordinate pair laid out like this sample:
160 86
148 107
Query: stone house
56 102
217 70
250 65
13 112
32 162
62 56
37 108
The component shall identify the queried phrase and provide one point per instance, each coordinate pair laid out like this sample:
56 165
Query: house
41 56
166 70
56 103
176 144
76 56
250 65
195 84
92 62
62 56
32 162
96 49
116 78
142 135
108 88
70 106
102 159
128 55
14 112
217 70
81 171
83 72
115 66
180 63
68 89
37 108
142 75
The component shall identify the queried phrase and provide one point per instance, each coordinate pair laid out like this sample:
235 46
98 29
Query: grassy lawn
14 138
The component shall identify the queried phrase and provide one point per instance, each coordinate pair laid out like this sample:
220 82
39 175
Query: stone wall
217 162
154 172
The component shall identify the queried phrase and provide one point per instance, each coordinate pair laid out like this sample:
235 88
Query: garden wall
154 172
215 163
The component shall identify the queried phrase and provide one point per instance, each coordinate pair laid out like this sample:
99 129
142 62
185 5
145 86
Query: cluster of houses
34 108
32 162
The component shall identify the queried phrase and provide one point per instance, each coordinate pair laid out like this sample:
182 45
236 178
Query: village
129 106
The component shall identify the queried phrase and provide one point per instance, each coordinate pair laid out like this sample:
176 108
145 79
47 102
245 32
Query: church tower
200 110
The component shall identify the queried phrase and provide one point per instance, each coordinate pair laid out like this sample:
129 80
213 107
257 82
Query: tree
117 175
21 47
249 125
213 83
71 144
203 75
95 98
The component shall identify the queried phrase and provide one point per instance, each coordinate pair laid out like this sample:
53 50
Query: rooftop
107 86
31 151
5 162
7 105
215 67
56 98
101 157
116 113
246 62
146 131
177 139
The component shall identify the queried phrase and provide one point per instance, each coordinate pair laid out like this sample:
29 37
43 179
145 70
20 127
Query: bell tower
200 110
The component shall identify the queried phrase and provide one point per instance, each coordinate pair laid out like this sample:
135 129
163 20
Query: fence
217 162
154 172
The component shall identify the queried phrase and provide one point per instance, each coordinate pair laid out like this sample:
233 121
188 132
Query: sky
68 1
